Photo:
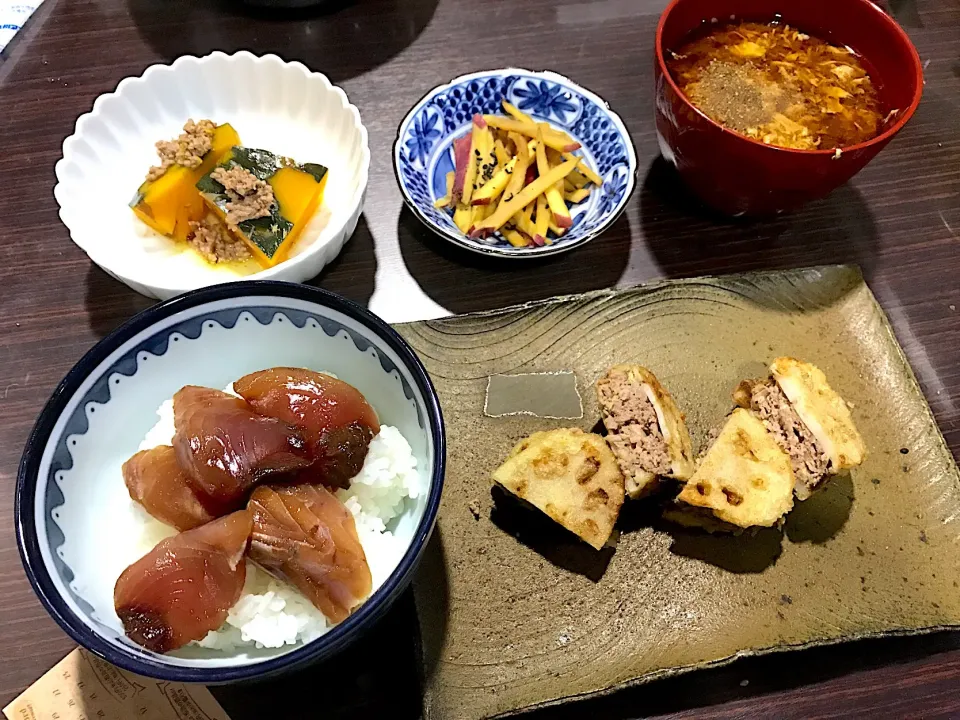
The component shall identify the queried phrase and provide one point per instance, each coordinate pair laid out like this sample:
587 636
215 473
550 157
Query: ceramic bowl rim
326 645
546 250
266 273
880 139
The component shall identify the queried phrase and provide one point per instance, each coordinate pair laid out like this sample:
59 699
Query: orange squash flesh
296 189
299 196
171 202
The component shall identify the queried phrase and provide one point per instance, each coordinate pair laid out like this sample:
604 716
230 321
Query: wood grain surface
899 220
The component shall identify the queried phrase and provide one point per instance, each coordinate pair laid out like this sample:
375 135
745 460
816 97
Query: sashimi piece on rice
270 612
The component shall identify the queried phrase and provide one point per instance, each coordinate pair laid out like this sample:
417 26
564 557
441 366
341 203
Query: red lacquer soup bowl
741 176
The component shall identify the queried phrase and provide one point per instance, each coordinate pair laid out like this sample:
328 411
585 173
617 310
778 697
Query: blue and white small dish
70 491
423 152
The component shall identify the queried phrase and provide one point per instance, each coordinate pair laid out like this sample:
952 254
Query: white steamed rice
272 613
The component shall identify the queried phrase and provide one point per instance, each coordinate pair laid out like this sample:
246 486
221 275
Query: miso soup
776 84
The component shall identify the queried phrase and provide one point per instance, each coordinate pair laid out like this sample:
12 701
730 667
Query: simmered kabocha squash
269 230
169 203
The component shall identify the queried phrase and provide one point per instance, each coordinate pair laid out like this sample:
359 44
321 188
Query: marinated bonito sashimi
277 458
335 417
313 401
183 588
227 448
304 534
339 459
340 455
155 479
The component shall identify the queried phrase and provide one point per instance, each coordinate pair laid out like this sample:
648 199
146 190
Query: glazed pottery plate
423 152
517 613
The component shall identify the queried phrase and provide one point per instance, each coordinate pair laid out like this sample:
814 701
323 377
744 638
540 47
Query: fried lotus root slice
569 475
745 479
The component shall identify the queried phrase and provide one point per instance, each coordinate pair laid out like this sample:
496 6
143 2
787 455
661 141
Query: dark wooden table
900 220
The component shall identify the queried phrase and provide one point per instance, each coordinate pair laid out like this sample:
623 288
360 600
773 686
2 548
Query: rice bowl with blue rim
423 152
105 409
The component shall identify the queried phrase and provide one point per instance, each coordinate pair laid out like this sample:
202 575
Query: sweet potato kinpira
492 189
518 177
461 156
556 139
561 216
507 209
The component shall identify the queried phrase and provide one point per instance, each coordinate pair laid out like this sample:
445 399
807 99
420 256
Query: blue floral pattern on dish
549 100
423 152
613 191
420 142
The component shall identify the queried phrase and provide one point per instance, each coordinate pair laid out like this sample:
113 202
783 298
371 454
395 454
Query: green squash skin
318 171
269 232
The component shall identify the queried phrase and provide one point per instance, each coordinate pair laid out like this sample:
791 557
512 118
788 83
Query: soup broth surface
776 84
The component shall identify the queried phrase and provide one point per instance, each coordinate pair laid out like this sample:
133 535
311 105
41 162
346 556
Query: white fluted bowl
279 106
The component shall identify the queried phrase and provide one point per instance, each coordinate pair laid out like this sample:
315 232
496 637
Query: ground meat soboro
634 430
250 197
187 150
215 243
810 463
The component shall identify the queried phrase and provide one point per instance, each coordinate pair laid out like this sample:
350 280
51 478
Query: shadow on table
377 676
340 38
822 516
554 543
110 303
748 553
431 589
753 677
463 281
687 239
353 272
905 12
